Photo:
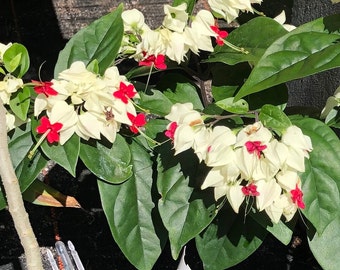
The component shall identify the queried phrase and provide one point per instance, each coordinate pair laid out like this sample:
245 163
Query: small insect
108 114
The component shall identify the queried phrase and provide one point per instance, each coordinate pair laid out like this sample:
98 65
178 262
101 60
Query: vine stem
15 202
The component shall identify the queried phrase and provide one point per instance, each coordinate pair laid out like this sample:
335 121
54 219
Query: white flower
281 19
3 49
220 147
175 18
269 192
134 21
331 102
229 9
299 146
8 86
63 113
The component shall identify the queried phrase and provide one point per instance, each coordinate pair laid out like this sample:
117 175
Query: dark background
43 27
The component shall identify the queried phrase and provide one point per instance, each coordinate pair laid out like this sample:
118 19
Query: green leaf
273 117
28 170
100 40
129 210
157 103
321 180
325 247
223 92
185 92
190 4
20 102
228 104
19 144
110 163
228 242
184 211
283 231
65 155
309 49
16 60
251 39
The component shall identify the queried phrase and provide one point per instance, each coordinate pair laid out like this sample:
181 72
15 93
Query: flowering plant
178 158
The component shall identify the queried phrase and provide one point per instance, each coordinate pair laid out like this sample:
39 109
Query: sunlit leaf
309 49
100 40
16 60
321 180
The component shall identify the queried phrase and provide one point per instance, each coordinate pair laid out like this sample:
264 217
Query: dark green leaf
185 92
230 241
110 163
222 92
16 60
273 117
100 40
20 102
228 104
251 39
20 142
184 211
157 103
321 180
128 208
309 49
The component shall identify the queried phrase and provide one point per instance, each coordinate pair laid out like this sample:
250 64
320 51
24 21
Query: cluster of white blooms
8 85
173 39
85 103
251 163
230 9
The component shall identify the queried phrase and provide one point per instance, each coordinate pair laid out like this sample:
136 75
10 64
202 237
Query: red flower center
44 88
297 195
250 190
255 147
137 121
52 129
125 92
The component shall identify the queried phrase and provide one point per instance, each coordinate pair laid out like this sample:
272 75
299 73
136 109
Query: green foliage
249 37
229 240
114 160
273 117
321 183
184 211
129 208
309 49
20 103
20 143
16 60
228 104
101 40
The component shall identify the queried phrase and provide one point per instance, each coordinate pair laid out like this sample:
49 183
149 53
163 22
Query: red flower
297 195
137 121
170 132
52 129
158 62
255 147
44 88
125 92
250 190
220 35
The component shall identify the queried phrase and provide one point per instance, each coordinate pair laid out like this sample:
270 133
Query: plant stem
15 202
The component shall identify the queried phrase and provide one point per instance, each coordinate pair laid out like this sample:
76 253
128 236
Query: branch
15 201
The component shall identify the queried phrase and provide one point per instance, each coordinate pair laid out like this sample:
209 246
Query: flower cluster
174 39
230 9
82 102
250 165
8 85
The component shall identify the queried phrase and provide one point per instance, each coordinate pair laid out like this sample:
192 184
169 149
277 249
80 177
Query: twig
15 201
